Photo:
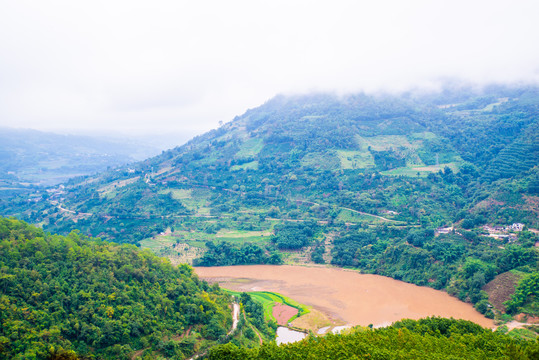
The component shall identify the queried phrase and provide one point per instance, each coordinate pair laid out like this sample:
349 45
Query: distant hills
35 158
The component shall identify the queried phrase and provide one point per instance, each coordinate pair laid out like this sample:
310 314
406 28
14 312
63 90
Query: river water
353 298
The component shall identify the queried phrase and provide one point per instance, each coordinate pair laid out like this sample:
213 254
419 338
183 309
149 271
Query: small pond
285 335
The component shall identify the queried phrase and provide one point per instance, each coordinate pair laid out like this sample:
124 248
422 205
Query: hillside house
446 230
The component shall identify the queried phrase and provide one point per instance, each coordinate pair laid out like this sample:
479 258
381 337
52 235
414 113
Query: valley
31 159
367 209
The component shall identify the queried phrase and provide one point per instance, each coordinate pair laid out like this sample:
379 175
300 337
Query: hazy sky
155 66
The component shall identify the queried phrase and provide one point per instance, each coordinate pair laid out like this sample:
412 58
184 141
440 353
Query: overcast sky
168 66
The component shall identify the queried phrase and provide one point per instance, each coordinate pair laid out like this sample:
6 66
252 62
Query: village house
446 230
517 227
503 229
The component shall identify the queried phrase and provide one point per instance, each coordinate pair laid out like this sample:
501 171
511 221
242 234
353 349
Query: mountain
30 158
398 185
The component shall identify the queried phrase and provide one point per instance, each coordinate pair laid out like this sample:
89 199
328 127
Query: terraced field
270 299
250 148
513 160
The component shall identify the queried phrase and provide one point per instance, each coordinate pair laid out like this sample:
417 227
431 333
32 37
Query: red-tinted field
282 313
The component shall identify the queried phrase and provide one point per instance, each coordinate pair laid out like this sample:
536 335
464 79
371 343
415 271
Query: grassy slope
268 300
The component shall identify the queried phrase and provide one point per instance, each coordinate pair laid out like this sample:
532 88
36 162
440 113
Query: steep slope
313 148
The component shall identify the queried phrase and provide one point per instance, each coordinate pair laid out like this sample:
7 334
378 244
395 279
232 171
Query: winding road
235 317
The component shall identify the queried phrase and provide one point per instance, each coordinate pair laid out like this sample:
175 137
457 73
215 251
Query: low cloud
168 65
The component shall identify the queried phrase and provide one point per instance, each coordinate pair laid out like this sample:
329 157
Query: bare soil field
356 299
315 320
282 313
501 288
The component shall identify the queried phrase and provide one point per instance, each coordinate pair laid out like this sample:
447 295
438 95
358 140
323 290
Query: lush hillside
359 181
62 297
431 338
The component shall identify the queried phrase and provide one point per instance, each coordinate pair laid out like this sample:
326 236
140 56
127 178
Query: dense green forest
226 254
431 338
71 296
294 235
526 293
361 181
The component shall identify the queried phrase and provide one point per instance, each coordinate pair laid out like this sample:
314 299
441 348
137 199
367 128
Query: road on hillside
235 320
235 317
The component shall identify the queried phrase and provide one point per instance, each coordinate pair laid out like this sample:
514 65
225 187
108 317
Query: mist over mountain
36 158
319 146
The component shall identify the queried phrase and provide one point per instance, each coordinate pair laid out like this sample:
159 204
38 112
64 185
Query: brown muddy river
356 299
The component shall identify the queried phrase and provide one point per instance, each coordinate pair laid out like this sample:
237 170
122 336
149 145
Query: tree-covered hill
431 338
64 297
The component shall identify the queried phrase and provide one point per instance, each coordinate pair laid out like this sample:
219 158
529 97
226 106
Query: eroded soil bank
356 299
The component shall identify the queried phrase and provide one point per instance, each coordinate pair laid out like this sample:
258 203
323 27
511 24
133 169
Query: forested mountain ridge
360 180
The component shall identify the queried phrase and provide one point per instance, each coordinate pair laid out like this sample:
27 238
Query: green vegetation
250 148
431 338
253 165
69 296
515 159
525 296
420 171
243 236
351 159
294 235
268 299
326 160
224 254
255 315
